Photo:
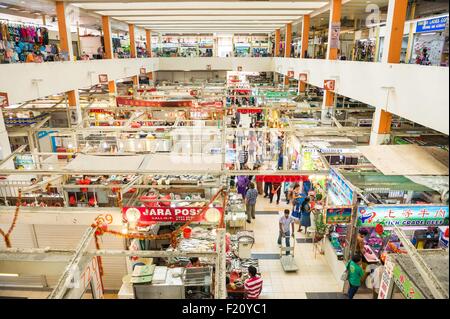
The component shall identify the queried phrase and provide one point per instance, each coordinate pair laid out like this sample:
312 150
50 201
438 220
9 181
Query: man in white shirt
285 221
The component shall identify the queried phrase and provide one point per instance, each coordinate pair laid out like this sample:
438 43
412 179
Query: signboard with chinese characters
148 215
341 189
406 286
432 25
387 282
338 215
402 215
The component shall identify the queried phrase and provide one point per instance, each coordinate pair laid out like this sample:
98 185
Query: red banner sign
328 85
303 77
249 111
145 103
103 78
4 99
149 215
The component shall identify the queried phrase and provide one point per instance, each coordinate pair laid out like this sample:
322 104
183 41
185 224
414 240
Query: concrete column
332 54
109 52
411 33
287 47
276 51
304 46
65 40
381 127
5 146
133 53
395 25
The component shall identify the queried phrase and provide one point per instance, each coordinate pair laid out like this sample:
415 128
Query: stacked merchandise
364 50
337 236
17 42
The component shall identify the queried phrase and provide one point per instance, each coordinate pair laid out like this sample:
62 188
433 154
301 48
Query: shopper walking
242 185
243 157
267 188
240 135
285 223
297 200
253 285
276 189
305 219
250 202
355 275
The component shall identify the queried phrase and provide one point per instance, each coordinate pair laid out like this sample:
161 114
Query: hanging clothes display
18 41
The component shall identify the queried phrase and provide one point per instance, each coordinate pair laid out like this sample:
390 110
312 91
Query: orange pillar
133 50
148 43
335 18
65 42
276 51
332 52
109 54
304 46
305 35
132 41
395 25
287 47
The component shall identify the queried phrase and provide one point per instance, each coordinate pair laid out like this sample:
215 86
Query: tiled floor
313 275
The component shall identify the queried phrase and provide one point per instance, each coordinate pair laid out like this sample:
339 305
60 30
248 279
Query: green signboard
408 289
276 94
339 215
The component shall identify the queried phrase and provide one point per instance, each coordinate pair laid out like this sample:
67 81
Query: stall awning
105 163
368 181
182 163
405 159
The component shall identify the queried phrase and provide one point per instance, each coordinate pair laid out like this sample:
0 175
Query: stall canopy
179 163
436 260
370 181
407 159
105 163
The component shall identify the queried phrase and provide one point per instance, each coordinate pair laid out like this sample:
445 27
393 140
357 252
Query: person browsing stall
253 285
194 262
355 275
250 202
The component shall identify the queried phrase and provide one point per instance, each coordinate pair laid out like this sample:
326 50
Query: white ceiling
201 16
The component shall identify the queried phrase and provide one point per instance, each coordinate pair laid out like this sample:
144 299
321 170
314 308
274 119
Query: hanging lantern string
6 236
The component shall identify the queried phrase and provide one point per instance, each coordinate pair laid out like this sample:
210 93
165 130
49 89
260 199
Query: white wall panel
28 81
420 93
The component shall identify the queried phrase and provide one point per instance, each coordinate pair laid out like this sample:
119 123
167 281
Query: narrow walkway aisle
314 274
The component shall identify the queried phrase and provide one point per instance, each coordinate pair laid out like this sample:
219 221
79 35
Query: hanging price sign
103 78
329 85
303 77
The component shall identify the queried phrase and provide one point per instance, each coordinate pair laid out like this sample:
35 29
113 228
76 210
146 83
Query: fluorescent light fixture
8 275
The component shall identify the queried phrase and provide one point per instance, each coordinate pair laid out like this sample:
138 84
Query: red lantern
379 229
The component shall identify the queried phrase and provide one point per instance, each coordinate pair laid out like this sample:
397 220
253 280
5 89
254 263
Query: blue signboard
402 215
341 188
432 25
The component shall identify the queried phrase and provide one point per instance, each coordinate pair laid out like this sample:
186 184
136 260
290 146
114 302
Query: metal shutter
68 237
21 237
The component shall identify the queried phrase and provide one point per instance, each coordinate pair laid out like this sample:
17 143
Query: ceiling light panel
167 5
201 12
223 18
